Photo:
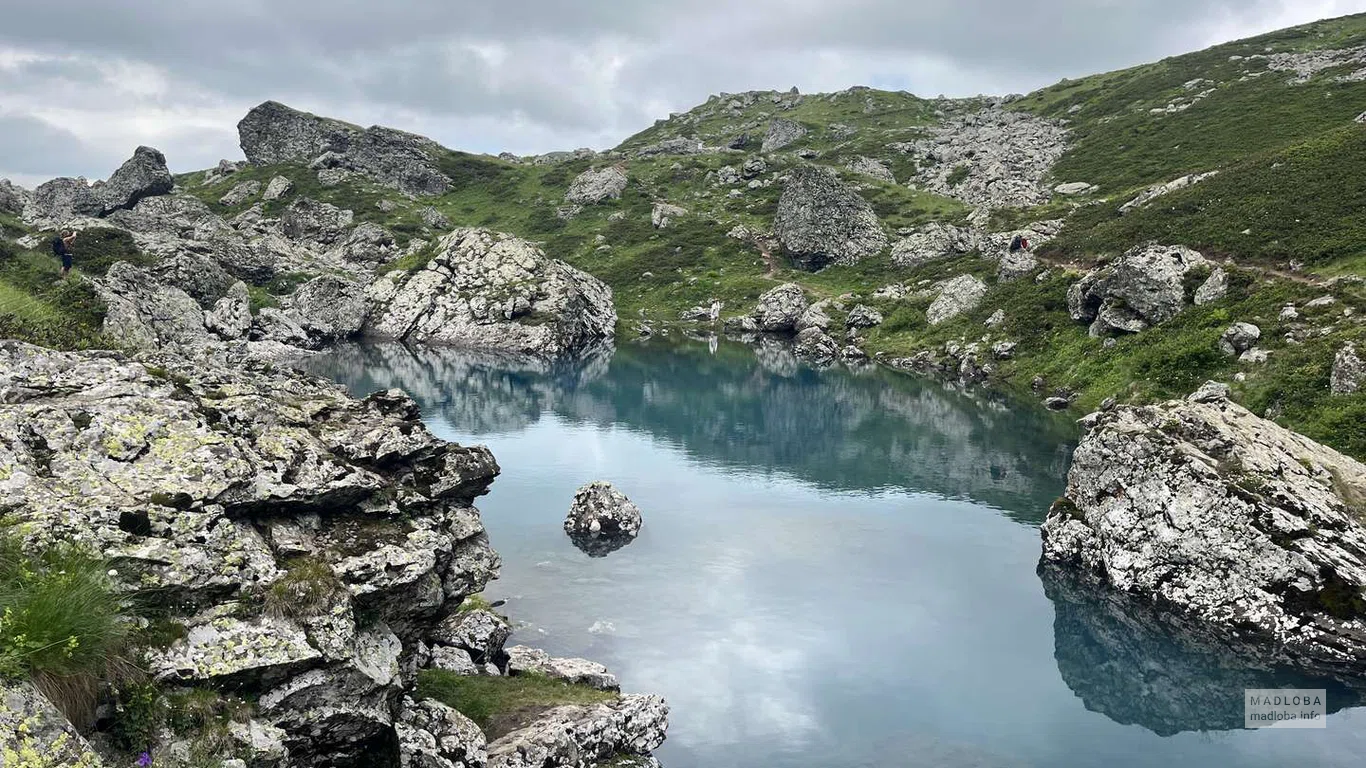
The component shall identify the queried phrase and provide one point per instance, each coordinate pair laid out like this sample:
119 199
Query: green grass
61 624
500 705
308 588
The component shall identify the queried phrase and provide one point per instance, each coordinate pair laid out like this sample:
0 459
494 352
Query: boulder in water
602 519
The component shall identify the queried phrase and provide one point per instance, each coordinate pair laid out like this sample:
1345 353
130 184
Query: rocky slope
1252 532
312 552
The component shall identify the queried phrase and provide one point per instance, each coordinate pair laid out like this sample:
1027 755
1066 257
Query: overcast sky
83 82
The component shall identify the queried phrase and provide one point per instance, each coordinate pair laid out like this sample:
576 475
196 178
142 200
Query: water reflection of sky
792 620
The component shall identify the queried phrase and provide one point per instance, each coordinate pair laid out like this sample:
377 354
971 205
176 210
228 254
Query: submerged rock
601 519
487 290
1243 527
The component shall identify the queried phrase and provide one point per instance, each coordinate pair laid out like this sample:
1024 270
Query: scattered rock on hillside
678 146
1006 155
664 213
815 316
601 519
309 220
277 188
143 175
863 316
782 133
1239 338
1229 520
1213 289
578 735
1143 288
368 243
823 221
240 193
434 218
273 133
1158 190
961 294
870 167
596 186
522 660
933 242
1016 265
1075 188
1349 372
493 291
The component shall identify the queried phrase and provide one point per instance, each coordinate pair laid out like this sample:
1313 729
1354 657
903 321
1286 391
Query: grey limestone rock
822 221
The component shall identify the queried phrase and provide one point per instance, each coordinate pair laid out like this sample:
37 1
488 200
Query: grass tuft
500 705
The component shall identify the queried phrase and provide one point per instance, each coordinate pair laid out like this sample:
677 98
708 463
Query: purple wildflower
144 759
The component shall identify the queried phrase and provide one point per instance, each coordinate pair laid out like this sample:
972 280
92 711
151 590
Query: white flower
113 572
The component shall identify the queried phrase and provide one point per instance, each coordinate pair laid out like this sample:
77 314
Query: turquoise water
837 568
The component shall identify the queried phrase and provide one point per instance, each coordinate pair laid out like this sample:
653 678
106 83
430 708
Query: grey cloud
566 74
30 146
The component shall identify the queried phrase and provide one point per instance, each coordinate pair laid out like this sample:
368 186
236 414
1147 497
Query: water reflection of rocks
1137 666
848 430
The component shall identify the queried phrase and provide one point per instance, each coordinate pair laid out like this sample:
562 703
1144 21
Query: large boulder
273 133
230 317
492 291
1349 372
143 175
601 519
782 133
479 633
169 225
780 309
596 186
1244 528
822 221
330 307
957 296
323 223
1144 287
432 735
815 346
1239 338
573 736
197 274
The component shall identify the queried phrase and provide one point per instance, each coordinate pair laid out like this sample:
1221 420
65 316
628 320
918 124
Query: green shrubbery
61 624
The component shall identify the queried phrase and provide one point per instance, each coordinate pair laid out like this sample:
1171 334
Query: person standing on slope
61 247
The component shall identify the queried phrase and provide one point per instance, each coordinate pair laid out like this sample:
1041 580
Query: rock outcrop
822 221
933 242
492 291
13 198
34 733
56 202
522 660
1158 190
147 315
203 482
596 186
584 735
1144 287
274 133
993 157
601 519
1248 530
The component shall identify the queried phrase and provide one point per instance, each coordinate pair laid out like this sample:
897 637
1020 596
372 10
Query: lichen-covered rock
863 316
956 296
272 133
34 733
781 134
432 735
815 316
1349 372
780 309
334 716
56 202
491 291
1239 338
368 243
1231 521
874 168
143 175
1006 155
240 193
277 188
229 651
230 317
522 660
13 198
1213 289
822 221
601 512
1016 265
933 242
479 633
664 214
1143 288
171 224
596 186
584 735
200 276
308 219
455 660
144 314
330 308
434 218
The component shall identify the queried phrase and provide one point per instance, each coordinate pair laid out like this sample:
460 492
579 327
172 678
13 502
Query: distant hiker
1016 243
1024 243
61 246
